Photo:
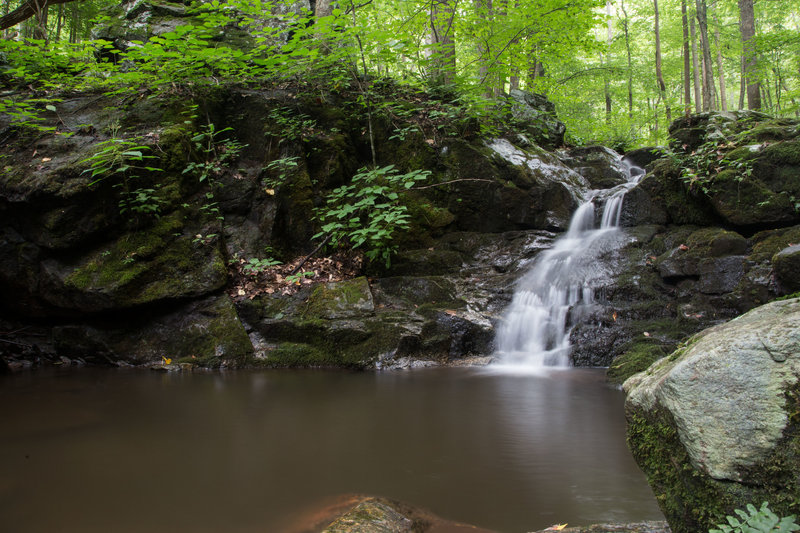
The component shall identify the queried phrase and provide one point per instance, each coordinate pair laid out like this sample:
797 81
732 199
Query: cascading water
560 287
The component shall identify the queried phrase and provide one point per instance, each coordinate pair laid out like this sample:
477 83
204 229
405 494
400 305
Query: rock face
714 426
91 282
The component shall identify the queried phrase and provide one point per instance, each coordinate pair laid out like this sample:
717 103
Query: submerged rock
714 425
371 516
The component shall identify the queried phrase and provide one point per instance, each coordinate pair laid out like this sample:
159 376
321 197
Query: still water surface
133 451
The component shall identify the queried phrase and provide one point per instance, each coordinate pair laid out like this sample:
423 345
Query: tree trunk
40 30
606 83
27 10
723 98
443 52
630 63
59 23
485 14
659 74
687 62
708 71
695 68
747 26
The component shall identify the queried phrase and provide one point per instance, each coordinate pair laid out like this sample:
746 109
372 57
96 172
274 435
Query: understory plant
368 212
761 520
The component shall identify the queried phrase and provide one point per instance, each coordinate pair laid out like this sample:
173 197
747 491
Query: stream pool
99 450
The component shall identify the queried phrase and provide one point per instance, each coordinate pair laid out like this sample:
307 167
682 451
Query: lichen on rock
724 398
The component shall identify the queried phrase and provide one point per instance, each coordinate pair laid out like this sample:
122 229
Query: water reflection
136 451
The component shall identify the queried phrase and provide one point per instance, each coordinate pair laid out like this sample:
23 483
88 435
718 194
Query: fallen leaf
166 360
46 159
241 292
450 312
683 247
557 527
614 316
646 334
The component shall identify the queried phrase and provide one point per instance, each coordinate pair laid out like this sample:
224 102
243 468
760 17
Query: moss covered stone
786 265
341 299
148 265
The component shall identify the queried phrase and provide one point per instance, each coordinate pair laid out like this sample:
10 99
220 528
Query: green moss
783 153
767 243
636 357
175 147
690 502
151 264
715 242
292 355
742 153
341 299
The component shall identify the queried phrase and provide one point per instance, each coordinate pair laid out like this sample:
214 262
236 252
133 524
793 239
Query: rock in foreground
715 425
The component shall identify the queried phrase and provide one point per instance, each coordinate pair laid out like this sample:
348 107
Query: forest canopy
618 71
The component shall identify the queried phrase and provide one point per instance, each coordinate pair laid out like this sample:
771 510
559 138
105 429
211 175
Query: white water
560 287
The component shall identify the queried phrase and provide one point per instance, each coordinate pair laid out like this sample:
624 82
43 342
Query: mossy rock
747 201
661 197
714 426
767 243
408 292
372 516
152 264
700 252
294 355
341 299
786 265
204 333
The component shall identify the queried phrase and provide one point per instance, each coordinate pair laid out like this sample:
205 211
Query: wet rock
371 516
787 268
720 275
602 167
714 427
660 198
643 157
205 332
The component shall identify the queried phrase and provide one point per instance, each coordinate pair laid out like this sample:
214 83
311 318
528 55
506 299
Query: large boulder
715 426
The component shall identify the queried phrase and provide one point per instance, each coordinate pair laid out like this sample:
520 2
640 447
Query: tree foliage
597 64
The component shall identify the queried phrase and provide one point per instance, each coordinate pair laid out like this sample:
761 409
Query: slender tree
606 82
443 51
695 67
708 71
659 74
722 95
687 65
628 54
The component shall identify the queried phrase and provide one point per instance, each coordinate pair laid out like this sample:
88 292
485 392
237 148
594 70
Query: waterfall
560 286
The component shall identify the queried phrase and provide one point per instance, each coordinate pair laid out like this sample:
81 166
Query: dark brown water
134 451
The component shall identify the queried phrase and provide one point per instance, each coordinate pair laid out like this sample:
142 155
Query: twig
17 343
309 256
449 182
